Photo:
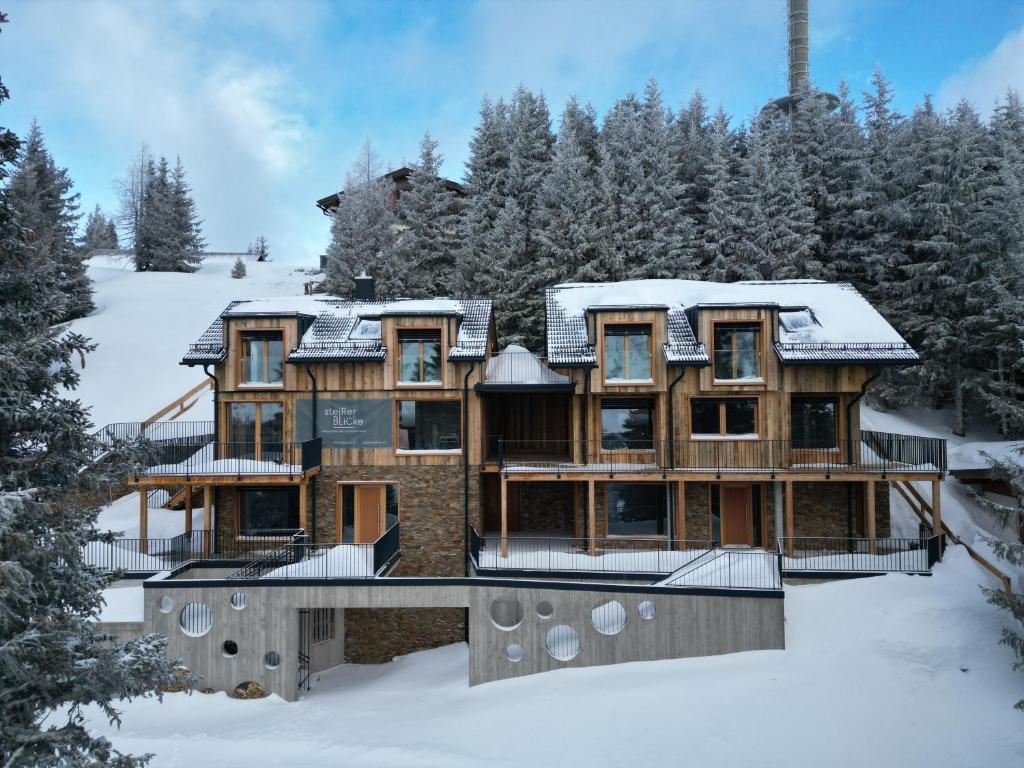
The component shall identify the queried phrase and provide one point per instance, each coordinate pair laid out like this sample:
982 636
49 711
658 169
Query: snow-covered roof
819 322
517 366
348 331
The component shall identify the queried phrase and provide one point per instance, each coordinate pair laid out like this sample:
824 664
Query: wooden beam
869 515
303 512
179 403
592 516
207 517
681 513
789 518
937 509
188 508
570 475
504 516
143 522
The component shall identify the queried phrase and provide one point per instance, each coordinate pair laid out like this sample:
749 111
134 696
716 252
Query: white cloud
985 81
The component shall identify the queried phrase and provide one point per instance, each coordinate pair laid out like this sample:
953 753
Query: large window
256 431
813 422
262 357
429 425
419 355
637 510
268 509
736 352
722 417
626 424
627 353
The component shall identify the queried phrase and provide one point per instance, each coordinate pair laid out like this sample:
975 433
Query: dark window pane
391 506
813 423
704 417
269 509
425 425
348 514
615 357
637 510
262 358
716 513
756 507
626 426
736 353
627 352
271 431
419 357
741 417
241 431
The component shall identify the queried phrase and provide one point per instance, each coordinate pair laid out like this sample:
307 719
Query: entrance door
370 506
736 515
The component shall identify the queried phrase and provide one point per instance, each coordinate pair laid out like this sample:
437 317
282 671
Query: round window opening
545 610
609 618
562 642
272 660
506 613
238 601
230 649
646 610
195 619
166 604
514 653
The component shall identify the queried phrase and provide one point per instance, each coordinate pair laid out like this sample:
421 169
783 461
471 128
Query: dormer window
627 353
419 354
737 352
262 357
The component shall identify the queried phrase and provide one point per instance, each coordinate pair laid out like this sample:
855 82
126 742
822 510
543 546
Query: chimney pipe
366 288
799 46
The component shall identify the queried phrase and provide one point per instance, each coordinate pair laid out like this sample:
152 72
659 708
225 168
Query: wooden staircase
924 512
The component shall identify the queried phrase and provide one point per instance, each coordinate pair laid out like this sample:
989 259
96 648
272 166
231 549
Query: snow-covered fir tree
54 661
169 237
100 233
692 137
238 270
364 230
42 194
426 246
719 230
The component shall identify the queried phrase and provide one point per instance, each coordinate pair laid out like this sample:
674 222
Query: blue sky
268 102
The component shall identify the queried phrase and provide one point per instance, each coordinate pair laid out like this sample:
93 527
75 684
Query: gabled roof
820 323
341 330
400 176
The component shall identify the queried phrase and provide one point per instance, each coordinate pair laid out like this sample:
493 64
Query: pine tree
100 233
42 193
238 269
692 136
720 226
53 659
169 238
425 251
187 225
363 232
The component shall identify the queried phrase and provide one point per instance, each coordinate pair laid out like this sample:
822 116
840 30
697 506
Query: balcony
871 453
191 459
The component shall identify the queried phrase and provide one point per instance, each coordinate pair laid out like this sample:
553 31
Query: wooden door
736 515
370 506
492 504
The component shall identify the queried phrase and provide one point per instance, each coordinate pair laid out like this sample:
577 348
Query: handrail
179 403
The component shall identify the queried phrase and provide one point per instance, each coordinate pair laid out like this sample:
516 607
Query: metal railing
157 435
278 557
730 569
298 559
872 452
647 556
386 549
858 555
237 458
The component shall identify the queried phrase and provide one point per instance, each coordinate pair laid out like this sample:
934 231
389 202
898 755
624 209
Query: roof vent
366 289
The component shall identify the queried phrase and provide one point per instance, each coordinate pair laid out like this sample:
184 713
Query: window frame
723 434
607 510
651 401
838 419
397 433
756 325
399 332
239 512
258 434
642 327
339 512
240 334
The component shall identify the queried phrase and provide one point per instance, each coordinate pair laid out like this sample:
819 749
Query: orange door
736 515
369 512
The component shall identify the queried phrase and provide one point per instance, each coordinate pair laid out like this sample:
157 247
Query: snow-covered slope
144 322
892 671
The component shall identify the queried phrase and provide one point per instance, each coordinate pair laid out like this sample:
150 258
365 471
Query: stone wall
377 635
546 506
822 509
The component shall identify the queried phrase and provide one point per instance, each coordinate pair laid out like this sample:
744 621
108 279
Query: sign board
346 423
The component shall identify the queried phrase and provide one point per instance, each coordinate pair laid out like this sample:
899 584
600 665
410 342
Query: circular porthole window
166 604
609 618
506 613
238 601
230 649
646 610
514 653
545 610
562 642
272 660
195 619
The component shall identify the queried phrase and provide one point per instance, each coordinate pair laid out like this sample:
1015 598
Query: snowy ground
895 671
122 515
145 321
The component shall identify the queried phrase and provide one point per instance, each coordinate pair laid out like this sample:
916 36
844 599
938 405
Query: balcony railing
158 435
822 554
186 459
872 452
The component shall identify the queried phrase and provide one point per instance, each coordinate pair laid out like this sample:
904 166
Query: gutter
672 447
465 472
216 392
309 372
849 414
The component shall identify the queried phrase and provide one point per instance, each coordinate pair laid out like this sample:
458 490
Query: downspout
216 435
672 449
465 487
313 430
849 448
